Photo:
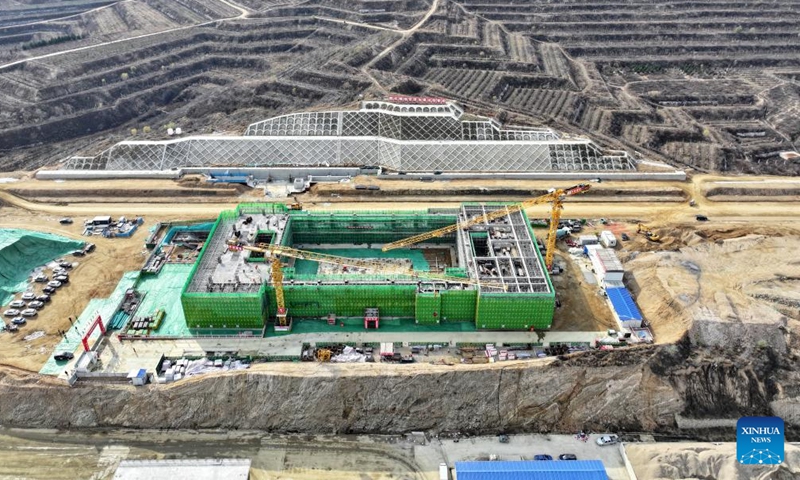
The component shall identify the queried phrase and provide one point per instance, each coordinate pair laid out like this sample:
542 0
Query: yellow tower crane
555 197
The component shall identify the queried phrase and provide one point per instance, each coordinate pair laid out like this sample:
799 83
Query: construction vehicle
555 197
324 355
296 205
649 234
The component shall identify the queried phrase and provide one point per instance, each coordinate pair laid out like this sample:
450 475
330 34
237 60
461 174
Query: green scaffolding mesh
345 300
428 308
459 305
224 310
498 311
362 227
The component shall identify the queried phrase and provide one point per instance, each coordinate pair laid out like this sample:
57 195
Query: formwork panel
428 308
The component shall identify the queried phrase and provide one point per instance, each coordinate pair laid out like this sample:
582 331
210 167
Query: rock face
638 389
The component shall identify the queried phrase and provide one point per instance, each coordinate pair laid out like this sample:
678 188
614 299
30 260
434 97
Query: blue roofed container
532 470
624 307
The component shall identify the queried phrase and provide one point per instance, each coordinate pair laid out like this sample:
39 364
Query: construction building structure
412 135
504 283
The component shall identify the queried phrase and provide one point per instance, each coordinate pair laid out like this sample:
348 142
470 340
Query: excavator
555 197
649 234
296 205
276 275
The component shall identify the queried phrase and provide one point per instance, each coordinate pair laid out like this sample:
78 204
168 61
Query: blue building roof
532 470
623 304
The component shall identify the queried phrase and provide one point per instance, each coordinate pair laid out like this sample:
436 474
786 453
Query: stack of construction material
490 350
503 355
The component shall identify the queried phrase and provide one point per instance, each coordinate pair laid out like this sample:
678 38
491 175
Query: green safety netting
22 251
164 291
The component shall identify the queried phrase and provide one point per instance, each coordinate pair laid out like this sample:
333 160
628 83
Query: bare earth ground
96 276
661 461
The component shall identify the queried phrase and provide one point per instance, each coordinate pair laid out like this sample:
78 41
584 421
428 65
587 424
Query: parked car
49 290
89 248
567 456
19 321
54 284
36 304
66 265
44 298
65 221
62 356
41 278
62 278
701 218
59 271
29 312
12 328
607 440
17 304
12 312
28 296
78 253
542 457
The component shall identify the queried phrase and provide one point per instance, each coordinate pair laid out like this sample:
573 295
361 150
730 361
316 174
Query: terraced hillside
710 84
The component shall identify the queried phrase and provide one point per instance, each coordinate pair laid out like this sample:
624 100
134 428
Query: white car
36 304
29 312
607 440
54 283
41 278
11 312
17 304
27 296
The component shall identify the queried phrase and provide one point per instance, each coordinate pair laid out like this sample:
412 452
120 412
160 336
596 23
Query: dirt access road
749 209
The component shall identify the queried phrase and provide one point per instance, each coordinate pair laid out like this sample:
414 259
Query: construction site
428 239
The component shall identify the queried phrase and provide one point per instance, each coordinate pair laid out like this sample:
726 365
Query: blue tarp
623 304
532 470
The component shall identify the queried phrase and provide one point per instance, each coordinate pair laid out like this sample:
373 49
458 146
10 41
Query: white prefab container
444 472
587 240
607 239
606 264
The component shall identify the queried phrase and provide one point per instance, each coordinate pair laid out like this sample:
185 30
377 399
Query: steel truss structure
401 137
